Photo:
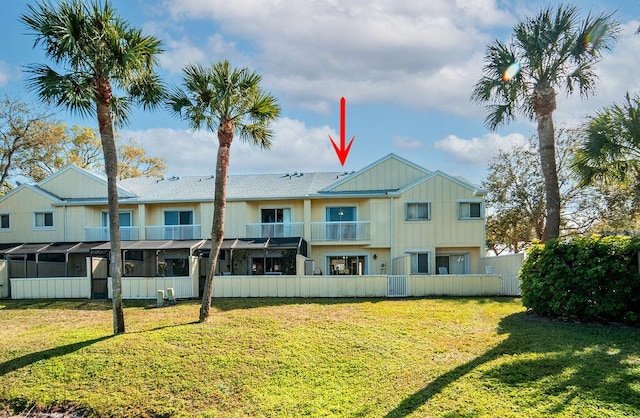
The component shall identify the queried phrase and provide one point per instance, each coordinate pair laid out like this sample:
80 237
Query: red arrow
342 152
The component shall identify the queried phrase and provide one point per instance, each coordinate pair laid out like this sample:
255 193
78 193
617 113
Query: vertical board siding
508 267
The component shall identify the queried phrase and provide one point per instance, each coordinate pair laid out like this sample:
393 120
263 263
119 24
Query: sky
405 68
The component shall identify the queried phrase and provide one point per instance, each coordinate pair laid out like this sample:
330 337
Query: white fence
147 287
508 267
51 288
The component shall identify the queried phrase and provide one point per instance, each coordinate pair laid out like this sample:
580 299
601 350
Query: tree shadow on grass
574 360
28 359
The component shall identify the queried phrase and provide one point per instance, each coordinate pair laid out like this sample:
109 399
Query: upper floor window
125 219
417 211
5 222
341 214
270 216
178 217
470 210
43 220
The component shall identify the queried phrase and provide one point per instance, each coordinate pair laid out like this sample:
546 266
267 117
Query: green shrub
584 278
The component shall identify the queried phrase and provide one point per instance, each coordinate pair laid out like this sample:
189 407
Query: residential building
391 217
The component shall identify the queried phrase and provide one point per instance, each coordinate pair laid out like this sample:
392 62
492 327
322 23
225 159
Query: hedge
595 278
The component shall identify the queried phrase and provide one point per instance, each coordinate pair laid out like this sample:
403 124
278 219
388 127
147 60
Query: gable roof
388 174
34 188
90 176
458 180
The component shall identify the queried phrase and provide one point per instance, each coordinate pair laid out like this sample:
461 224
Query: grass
315 357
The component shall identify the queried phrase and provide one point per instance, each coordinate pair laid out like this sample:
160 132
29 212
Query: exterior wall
444 228
21 207
235 222
387 175
75 183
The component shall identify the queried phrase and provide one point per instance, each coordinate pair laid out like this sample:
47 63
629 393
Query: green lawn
316 357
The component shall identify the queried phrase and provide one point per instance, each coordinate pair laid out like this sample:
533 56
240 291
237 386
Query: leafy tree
551 51
20 129
229 101
106 67
82 147
516 205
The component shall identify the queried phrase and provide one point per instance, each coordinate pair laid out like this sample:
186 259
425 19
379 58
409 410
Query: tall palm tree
102 67
229 101
611 152
552 51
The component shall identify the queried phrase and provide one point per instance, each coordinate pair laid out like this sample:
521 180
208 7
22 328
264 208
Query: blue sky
405 68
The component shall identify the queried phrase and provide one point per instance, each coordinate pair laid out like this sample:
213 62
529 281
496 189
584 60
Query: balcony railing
101 233
275 230
173 232
340 231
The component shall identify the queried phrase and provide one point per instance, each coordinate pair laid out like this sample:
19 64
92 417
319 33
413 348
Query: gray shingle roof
239 187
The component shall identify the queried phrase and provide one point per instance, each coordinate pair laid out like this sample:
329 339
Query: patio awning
27 249
254 244
152 245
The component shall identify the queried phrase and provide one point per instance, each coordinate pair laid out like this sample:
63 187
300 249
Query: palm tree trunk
225 138
544 103
111 168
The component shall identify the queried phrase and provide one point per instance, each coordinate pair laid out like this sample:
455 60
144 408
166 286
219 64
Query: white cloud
478 150
406 143
424 54
296 147
179 53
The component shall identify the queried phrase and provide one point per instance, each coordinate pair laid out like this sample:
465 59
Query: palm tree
611 152
228 101
552 51
106 67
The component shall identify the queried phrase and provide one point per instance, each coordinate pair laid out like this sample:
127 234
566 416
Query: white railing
173 232
340 231
101 233
275 230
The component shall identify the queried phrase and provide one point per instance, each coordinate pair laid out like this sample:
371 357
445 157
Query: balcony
101 233
275 230
340 231
178 232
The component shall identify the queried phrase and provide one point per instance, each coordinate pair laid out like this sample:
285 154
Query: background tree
610 157
229 101
21 126
516 206
81 146
549 52
107 66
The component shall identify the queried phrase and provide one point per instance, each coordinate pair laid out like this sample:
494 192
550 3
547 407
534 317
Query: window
420 262
470 210
355 265
341 223
5 222
125 219
178 217
43 220
452 263
178 224
270 216
418 211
